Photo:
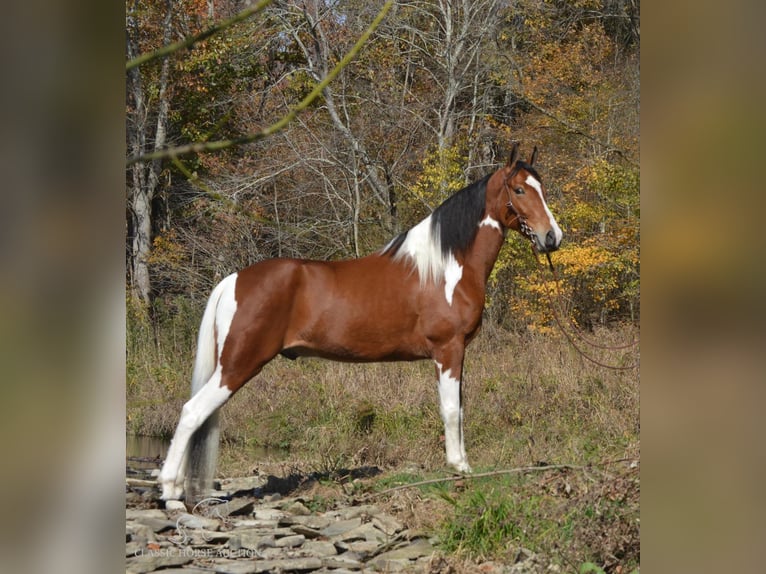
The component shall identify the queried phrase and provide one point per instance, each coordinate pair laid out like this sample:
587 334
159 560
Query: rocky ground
245 528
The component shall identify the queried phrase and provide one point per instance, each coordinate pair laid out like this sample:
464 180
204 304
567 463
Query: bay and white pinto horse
420 297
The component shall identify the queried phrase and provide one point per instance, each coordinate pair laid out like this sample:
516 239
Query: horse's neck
484 250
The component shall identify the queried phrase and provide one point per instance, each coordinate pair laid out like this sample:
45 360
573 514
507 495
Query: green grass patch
572 517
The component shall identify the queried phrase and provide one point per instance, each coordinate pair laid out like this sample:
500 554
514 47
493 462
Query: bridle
524 227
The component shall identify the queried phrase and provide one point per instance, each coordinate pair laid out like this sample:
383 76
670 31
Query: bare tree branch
580 132
285 120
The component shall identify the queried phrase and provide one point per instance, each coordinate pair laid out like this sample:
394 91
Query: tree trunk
145 178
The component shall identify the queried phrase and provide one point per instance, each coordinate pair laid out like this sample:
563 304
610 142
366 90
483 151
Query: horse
420 297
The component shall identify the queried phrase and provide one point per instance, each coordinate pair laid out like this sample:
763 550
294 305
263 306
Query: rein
576 332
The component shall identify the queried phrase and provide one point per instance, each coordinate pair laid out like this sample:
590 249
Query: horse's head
520 203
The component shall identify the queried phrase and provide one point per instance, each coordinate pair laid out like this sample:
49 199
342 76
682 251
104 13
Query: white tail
203 446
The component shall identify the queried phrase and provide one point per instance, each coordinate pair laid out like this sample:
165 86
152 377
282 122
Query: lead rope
576 330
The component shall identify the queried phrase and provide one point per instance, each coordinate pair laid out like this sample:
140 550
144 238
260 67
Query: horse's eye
519 191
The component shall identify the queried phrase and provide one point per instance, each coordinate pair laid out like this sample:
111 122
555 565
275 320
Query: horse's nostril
550 240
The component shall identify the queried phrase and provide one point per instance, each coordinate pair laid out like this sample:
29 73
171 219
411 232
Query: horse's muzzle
547 244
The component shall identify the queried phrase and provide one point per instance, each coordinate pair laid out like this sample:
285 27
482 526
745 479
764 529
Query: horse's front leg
449 371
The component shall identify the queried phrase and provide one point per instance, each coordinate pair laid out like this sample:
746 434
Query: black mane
457 219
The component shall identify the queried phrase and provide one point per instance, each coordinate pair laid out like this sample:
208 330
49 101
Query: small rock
361 511
194 522
320 548
254 523
297 508
268 514
290 541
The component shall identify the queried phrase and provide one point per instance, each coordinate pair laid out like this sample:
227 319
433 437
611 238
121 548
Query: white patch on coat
491 222
423 246
453 271
534 184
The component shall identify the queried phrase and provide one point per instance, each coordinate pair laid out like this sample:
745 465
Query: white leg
194 413
452 415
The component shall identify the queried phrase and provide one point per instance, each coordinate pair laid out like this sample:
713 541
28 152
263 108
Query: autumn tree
432 102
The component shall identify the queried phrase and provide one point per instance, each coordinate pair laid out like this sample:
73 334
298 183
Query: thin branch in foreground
191 40
494 473
286 119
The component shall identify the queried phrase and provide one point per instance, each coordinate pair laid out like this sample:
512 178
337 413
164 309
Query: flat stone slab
240 486
141 514
319 548
252 540
157 524
237 507
348 560
340 527
257 566
366 531
290 541
417 549
313 521
152 562
305 531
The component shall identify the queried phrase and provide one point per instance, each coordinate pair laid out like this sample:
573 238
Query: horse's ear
534 156
514 154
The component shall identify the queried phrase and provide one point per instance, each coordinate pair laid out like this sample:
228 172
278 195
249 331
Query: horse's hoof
462 467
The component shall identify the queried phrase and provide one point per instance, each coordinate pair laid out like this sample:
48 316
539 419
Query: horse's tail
202 453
